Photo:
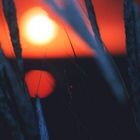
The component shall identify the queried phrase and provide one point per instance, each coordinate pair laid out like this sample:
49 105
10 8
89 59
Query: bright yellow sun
38 28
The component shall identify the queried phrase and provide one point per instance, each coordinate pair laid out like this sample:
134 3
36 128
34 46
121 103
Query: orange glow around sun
37 27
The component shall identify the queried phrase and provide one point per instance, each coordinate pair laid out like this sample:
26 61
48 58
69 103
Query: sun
38 28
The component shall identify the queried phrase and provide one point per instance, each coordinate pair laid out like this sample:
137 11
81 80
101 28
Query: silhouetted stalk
132 29
75 55
92 18
11 18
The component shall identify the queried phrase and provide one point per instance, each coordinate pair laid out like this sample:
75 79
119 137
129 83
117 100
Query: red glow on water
40 83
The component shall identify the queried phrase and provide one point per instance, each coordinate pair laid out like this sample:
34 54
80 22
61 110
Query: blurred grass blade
5 111
132 29
7 116
114 80
41 121
22 100
72 13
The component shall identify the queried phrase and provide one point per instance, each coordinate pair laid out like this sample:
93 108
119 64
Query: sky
109 17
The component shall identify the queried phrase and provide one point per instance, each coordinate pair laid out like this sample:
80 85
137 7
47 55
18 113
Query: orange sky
110 19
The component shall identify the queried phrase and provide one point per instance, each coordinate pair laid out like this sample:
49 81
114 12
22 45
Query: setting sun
38 28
